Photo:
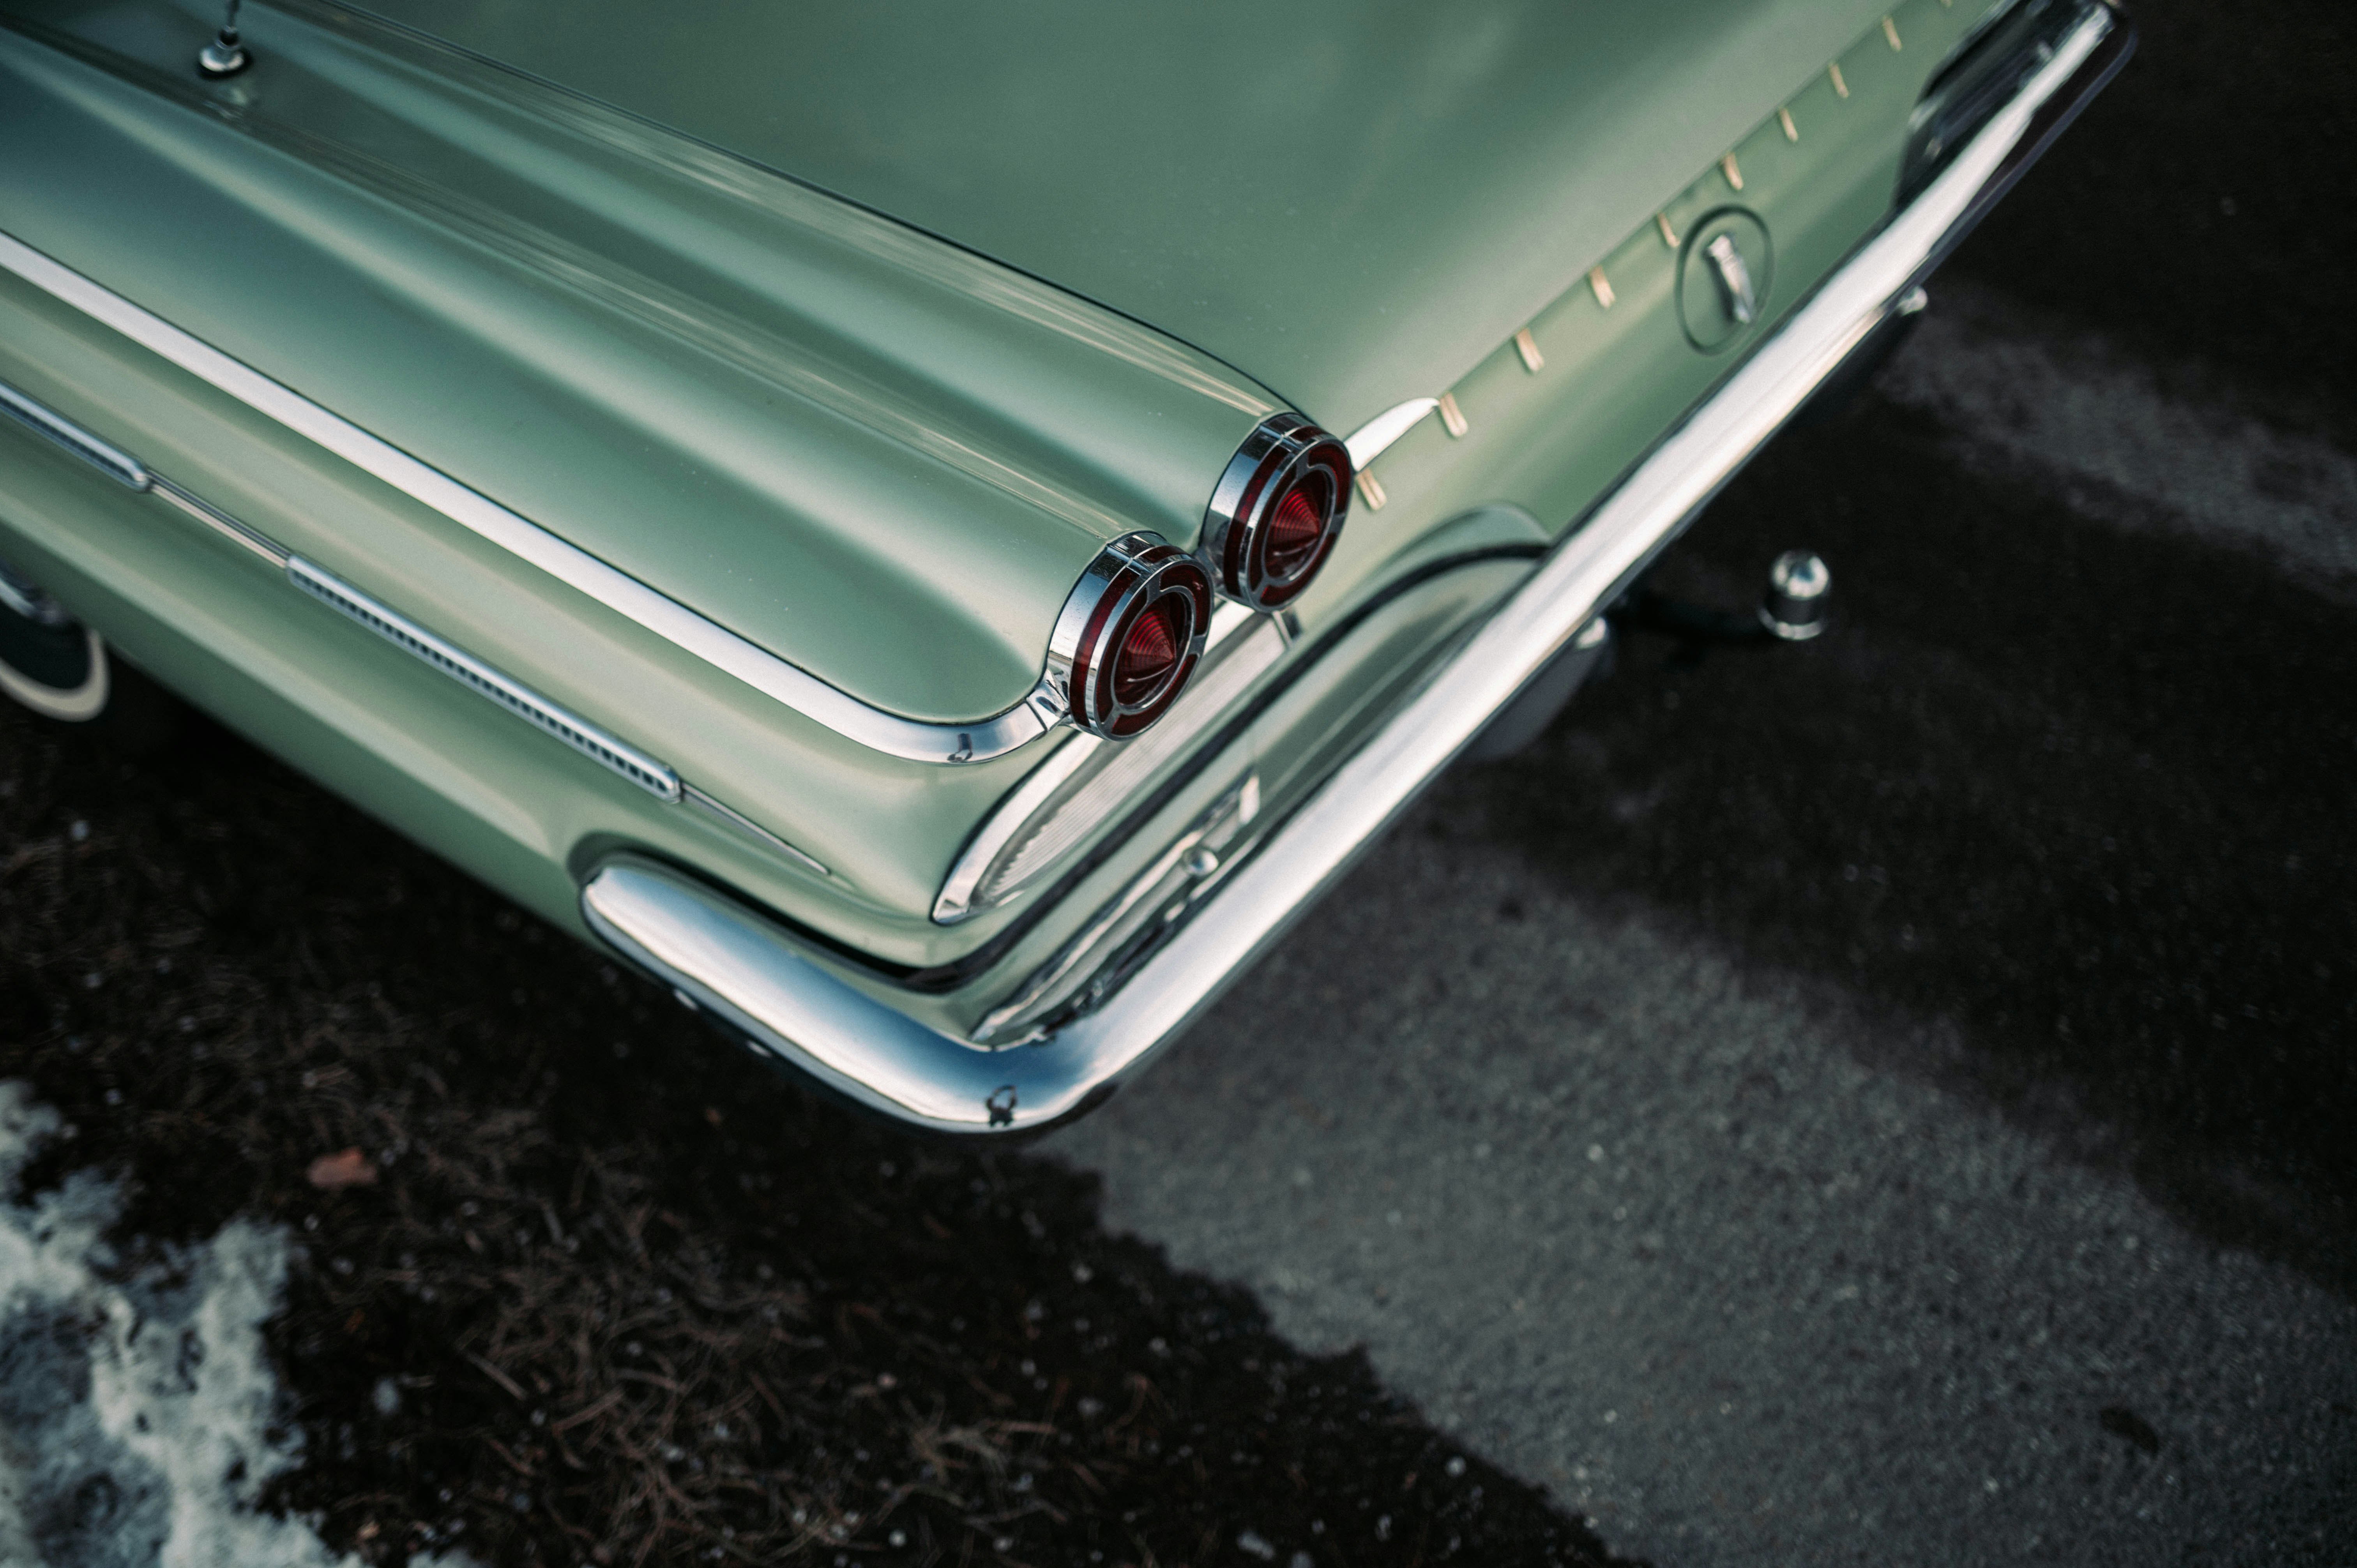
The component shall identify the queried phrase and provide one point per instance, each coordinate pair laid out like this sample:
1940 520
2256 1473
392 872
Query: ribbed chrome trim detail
655 777
47 422
917 740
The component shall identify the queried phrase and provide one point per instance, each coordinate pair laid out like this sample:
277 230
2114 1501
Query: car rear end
974 937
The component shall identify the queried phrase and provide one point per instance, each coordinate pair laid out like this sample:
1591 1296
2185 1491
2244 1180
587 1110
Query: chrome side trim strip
47 422
731 960
736 819
655 777
1370 440
915 739
220 521
122 467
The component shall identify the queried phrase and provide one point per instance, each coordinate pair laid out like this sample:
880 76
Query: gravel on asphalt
585 1285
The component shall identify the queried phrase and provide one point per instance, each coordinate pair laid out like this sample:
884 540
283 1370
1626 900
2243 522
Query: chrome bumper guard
731 962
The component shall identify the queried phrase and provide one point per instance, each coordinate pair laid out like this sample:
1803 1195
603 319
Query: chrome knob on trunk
225 56
1799 585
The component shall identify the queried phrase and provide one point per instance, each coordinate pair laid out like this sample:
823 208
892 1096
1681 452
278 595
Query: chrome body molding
600 746
1033 829
1372 439
50 425
960 891
917 740
122 468
220 521
608 751
734 962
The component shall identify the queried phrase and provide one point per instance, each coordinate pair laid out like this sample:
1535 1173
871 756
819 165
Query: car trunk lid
878 458
1351 203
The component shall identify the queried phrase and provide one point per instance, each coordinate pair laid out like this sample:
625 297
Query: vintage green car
837 506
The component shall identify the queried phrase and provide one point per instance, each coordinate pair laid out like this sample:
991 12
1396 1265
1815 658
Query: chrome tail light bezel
1285 455
1130 579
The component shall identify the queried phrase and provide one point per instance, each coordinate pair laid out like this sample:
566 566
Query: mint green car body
861 332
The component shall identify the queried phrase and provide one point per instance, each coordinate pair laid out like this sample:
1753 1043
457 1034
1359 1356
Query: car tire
61 670
50 662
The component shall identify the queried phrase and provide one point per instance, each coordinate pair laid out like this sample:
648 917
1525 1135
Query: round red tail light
1276 512
1155 643
1131 634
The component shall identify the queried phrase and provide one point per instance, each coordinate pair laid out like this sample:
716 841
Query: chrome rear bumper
731 962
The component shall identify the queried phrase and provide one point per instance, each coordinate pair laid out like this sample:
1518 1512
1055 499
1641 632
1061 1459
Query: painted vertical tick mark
1727 165
1600 286
1528 348
1890 31
1372 492
1451 415
1784 118
1669 235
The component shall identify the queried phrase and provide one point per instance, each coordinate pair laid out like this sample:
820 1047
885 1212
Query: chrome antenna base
1799 586
225 56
